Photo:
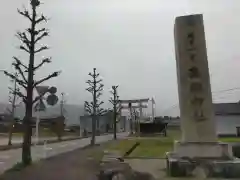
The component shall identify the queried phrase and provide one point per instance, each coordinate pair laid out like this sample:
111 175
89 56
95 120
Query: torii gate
131 107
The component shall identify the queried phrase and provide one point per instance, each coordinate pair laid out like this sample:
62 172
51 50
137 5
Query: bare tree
94 107
115 102
29 40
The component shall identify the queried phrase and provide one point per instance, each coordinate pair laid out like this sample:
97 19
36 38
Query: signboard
41 90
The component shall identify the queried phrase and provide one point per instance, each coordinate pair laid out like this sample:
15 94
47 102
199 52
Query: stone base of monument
202 160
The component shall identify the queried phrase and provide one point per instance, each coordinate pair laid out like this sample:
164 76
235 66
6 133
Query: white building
227 116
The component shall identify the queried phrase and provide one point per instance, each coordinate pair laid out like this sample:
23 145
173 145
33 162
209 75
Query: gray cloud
130 42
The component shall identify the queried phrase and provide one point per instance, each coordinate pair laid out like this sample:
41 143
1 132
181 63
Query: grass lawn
154 147
230 139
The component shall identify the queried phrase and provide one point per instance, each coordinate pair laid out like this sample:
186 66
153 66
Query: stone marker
199 138
195 99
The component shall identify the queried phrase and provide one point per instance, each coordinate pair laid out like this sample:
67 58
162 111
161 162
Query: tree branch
42 18
19 62
36 32
25 13
22 96
98 95
90 82
20 82
17 67
54 74
41 49
88 107
45 60
99 104
23 37
98 81
100 88
90 89
44 34
24 49
101 111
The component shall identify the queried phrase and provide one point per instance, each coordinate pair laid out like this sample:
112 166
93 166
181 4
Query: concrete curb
19 145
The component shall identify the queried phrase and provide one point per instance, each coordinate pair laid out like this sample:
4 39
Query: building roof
227 108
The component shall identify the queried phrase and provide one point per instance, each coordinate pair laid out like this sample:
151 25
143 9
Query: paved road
11 157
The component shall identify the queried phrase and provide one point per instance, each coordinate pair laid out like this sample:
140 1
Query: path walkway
18 140
11 157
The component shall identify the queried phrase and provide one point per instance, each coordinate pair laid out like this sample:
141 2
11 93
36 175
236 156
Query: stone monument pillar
194 89
199 138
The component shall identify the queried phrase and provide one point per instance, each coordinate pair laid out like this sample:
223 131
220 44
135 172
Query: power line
220 91
225 90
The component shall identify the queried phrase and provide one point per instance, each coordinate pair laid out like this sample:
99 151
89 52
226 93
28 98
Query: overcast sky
130 42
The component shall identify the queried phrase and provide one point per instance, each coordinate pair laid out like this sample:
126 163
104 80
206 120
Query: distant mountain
72 112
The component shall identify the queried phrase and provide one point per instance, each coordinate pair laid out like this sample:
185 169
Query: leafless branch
99 104
54 74
24 49
20 82
100 88
25 13
101 111
90 89
42 18
20 94
44 34
19 63
41 49
45 60
98 81
90 83
37 32
98 95
18 68
88 107
23 37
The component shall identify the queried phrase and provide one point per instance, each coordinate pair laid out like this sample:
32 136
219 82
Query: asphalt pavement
11 157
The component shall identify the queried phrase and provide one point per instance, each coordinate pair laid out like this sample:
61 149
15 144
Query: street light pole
13 111
13 108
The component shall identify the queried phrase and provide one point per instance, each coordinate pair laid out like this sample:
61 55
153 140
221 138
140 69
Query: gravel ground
75 165
155 168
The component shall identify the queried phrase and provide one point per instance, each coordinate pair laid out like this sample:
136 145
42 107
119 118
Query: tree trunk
93 130
26 146
115 122
27 121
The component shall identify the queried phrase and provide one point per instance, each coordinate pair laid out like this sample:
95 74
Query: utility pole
62 104
13 111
